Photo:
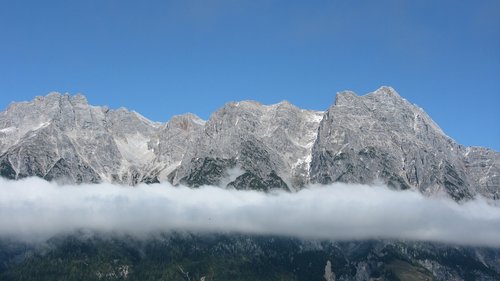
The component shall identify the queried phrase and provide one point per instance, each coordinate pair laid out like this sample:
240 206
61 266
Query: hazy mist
33 209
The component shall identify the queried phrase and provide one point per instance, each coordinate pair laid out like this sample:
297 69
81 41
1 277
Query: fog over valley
33 209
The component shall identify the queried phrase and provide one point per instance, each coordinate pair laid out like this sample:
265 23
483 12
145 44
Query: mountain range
378 137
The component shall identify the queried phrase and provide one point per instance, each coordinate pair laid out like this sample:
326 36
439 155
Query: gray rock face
62 137
483 168
382 137
270 144
171 142
379 137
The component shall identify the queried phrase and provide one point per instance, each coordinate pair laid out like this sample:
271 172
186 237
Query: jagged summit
386 91
345 97
384 94
384 101
270 142
56 97
256 104
376 137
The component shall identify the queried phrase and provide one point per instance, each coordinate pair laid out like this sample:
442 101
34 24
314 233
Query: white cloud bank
36 209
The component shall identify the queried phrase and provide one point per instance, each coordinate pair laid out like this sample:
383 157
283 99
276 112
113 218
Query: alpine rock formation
383 136
62 137
246 145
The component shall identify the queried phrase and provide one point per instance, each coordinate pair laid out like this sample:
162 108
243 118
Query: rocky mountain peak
386 92
284 104
56 99
247 104
255 105
381 136
345 97
268 141
186 121
382 96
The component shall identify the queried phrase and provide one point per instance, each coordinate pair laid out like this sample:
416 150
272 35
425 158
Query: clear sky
163 58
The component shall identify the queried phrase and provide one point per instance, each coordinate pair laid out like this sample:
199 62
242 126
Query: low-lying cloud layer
36 209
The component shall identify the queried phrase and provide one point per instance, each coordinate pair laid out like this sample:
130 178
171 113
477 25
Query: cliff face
379 137
62 137
269 145
383 137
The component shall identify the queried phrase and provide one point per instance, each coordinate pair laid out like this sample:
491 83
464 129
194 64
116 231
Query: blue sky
163 58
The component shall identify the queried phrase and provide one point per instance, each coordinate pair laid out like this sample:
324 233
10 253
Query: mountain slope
381 136
62 137
240 257
271 145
